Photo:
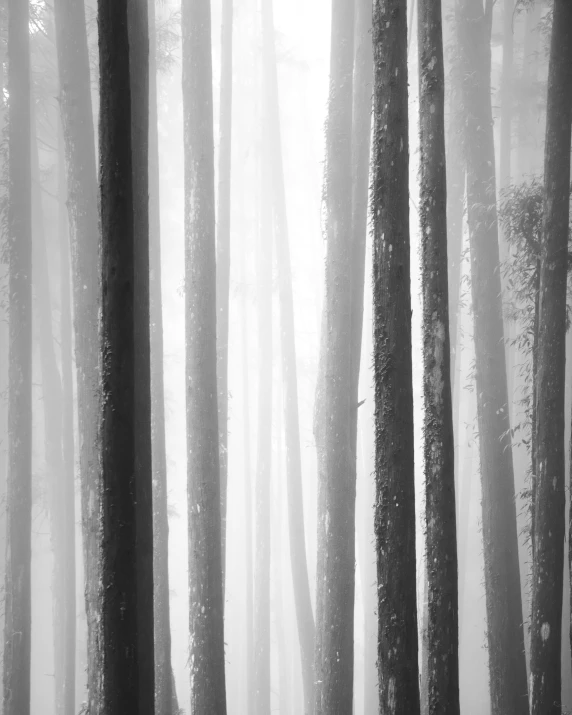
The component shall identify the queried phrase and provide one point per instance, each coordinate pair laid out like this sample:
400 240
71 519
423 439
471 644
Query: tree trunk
165 696
77 123
549 527
223 259
296 528
208 696
507 667
264 452
138 36
17 607
335 578
395 495
439 459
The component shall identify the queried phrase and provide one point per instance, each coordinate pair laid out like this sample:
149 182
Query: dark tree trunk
77 122
335 578
296 528
507 667
165 696
17 607
223 259
395 496
138 35
439 459
262 554
208 696
549 519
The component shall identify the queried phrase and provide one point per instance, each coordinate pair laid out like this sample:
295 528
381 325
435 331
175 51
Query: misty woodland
285 305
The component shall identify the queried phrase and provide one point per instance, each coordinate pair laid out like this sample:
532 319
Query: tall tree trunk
264 451
506 94
68 453
208 691
17 609
335 578
507 667
138 36
531 63
223 259
296 527
549 527
165 696
77 123
395 495
439 459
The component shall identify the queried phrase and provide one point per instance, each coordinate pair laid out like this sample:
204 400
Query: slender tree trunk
296 528
68 454
77 123
335 579
223 258
549 526
208 692
165 696
506 94
395 496
527 124
507 666
264 452
440 519
17 628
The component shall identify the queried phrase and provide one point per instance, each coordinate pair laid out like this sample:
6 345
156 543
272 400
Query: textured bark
138 36
395 496
335 578
439 459
77 123
223 259
507 667
165 696
206 609
119 488
262 516
17 607
296 528
549 506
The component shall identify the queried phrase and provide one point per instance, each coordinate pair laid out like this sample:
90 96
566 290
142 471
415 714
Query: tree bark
208 696
549 521
439 458
395 495
507 667
223 258
296 527
17 607
77 123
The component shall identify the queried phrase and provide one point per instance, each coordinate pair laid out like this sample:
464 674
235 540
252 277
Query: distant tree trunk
165 696
249 662
335 578
208 692
77 123
120 468
223 259
439 459
17 608
264 449
506 94
68 454
138 36
296 528
531 64
549 526
395 496
507 666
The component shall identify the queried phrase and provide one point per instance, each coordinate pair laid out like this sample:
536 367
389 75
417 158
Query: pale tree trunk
206 612
505 637
395 495
439 459
296 528
17 609
549 504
